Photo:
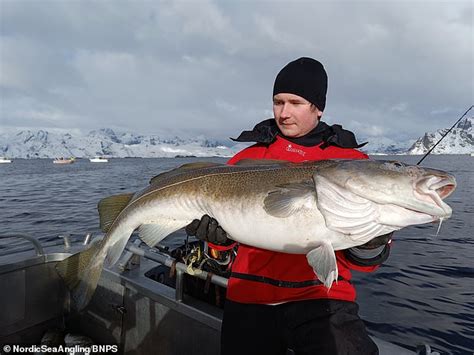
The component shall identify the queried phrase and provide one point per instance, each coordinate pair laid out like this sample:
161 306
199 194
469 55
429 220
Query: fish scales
229 181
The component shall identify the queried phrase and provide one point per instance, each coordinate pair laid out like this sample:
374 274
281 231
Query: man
274 300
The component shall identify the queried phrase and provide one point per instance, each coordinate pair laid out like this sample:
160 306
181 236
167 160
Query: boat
4 160
63 160
141 305
98 160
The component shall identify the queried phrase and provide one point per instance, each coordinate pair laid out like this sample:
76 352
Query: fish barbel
311 208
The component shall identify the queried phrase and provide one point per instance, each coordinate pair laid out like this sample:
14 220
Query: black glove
374 252
377 241
207 229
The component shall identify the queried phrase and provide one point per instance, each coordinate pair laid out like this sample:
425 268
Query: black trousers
316 327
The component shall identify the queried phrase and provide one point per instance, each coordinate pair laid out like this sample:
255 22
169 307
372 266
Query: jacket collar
266 132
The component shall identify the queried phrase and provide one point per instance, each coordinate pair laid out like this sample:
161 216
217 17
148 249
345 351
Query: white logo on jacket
301 152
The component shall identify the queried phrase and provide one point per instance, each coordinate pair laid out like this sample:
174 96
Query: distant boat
185 156
4 160
472 154
63 161
98 160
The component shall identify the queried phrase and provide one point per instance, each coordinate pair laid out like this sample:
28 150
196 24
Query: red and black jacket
266 277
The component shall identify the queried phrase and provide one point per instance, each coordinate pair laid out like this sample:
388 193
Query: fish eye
398 164
394 165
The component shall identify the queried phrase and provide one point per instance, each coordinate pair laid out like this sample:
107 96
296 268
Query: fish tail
109 209
114 252
81 273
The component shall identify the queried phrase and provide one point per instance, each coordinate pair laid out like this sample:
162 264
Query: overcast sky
396 68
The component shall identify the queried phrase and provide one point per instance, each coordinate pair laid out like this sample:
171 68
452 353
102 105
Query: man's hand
374 252
207 229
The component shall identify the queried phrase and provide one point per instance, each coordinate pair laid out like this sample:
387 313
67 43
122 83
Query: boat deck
128 309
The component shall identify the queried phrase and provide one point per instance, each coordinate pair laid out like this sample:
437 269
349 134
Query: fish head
414 192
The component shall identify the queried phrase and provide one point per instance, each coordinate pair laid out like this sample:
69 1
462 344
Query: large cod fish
311 208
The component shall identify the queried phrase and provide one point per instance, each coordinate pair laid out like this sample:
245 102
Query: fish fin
323 261
115 251
110 207
152 233
81 273
254 162
182 169
289 198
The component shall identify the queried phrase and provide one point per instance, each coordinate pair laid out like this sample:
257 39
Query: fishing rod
429 151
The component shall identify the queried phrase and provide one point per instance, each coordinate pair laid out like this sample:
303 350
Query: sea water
424 293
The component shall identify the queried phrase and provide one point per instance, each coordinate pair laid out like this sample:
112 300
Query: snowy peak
39 136
383 145
459 141
106 142
104 133
466 124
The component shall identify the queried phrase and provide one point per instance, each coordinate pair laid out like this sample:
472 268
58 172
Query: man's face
294 115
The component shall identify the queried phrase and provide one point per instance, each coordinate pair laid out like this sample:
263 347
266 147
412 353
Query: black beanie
304 77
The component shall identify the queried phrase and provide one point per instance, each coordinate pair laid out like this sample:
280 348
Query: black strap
279 283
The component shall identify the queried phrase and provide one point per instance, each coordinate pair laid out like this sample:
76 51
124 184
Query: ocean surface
424 293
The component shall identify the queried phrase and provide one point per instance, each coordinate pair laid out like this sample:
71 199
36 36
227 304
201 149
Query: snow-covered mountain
106 142
383 145
459 141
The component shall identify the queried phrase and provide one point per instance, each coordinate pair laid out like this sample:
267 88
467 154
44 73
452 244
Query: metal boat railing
181 268
36 244
133 249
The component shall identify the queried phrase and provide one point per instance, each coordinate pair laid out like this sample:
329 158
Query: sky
396 69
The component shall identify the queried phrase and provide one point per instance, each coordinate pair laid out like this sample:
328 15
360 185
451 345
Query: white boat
98 160
4 160
63 161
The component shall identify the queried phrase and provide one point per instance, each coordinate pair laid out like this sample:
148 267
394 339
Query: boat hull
63 161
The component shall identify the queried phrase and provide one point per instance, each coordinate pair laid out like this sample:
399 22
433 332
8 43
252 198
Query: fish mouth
434 189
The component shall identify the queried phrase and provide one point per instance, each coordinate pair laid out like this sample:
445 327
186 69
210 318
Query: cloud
396 69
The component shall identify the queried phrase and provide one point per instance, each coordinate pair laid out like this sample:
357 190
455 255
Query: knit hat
304 77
